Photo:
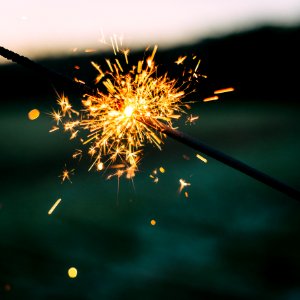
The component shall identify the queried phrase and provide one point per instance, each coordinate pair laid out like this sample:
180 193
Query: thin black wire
175 134
47 73
228 160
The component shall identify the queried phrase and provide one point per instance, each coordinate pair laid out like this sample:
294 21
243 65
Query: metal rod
226 159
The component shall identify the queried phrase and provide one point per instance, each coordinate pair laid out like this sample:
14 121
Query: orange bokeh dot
153 222
33 114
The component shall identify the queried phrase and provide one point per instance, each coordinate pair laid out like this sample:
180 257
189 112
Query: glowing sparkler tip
128 111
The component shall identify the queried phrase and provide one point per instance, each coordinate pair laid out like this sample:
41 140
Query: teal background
233 238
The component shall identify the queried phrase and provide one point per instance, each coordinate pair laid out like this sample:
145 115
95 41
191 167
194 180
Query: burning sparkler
127 113
121 120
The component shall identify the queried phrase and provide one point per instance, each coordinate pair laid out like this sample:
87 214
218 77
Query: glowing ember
72 272
89 50
192 119
66 175
226 90
162 170
213 98
33 114
201 158
180 60
153 222
183 184
54 206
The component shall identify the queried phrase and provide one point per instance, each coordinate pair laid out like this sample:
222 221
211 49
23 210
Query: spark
79 80
201 158
197 66
120 118
162 170
155 178
154 174
66 175
56 116
213 98
54 128
183 184
153 222
33 114
89 50
77 154
72 272
180 60
192 119
54 206
100 166
226 90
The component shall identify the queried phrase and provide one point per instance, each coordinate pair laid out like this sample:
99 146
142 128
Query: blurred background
232 237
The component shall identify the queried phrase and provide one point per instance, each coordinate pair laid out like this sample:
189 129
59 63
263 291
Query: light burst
120 118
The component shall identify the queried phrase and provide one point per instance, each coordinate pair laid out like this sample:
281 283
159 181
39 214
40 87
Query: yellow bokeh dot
162 170
72 272
33 114
153 222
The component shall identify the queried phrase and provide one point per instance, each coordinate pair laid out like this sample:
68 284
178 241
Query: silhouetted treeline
261 64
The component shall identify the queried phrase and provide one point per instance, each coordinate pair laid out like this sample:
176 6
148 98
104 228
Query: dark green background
233 238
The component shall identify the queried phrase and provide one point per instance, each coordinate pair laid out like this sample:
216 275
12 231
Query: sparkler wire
173 133
227 160
46 72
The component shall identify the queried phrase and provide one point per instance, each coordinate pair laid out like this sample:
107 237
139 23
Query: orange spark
66 175
226 90
201 158
89 50
183 184
54 128
162 170
33 114
192 119
180 60
54 206
153 222
213 98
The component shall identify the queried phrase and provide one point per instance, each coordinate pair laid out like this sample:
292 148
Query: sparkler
127 116
119 121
